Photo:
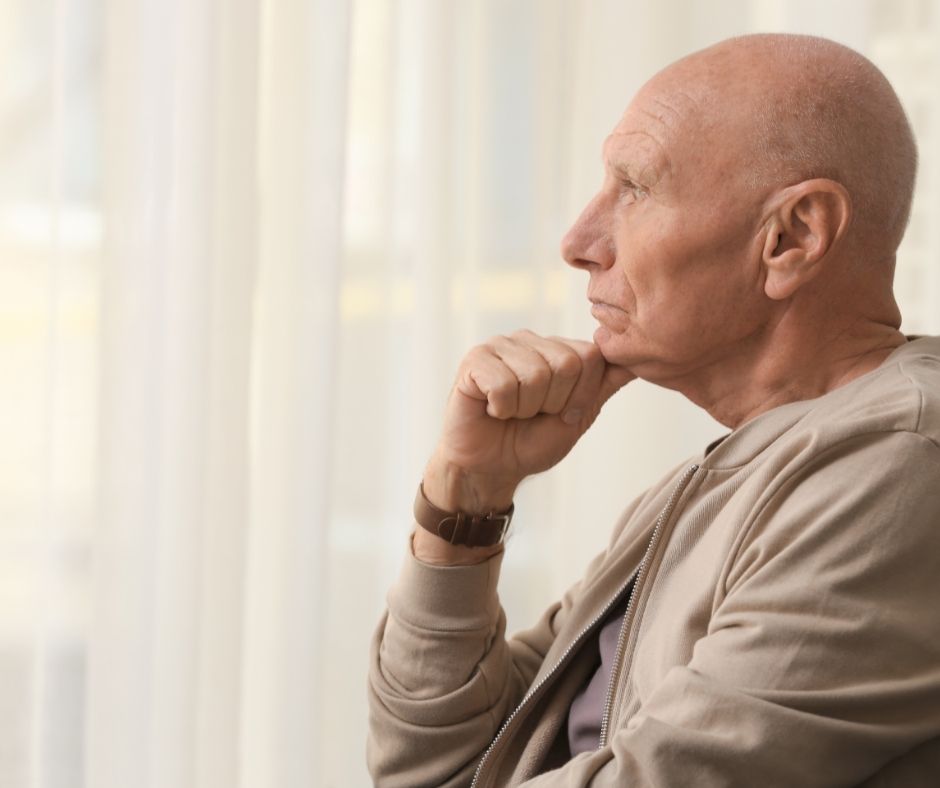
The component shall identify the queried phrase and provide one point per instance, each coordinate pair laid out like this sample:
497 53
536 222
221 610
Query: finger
531 370
583 400
565 365
614 379
483 375
613 376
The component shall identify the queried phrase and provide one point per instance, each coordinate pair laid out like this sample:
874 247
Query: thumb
613 379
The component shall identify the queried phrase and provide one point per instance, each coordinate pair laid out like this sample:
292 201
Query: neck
785 366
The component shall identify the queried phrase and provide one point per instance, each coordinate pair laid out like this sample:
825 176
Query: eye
629 188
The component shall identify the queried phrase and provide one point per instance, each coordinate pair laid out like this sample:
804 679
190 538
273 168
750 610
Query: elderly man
766 615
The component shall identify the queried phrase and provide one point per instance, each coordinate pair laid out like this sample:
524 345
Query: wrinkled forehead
672 131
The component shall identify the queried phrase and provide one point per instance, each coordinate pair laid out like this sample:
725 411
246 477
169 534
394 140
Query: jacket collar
742 445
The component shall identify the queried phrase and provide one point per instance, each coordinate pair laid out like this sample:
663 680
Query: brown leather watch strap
471 530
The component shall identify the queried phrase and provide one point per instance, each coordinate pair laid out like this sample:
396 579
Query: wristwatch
461 528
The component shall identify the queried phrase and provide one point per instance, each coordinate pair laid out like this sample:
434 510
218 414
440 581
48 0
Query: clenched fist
518 406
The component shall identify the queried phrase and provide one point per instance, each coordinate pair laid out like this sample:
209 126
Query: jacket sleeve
442 674
821 663
441 677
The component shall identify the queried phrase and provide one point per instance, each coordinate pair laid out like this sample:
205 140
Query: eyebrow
642 168
620 168
623 168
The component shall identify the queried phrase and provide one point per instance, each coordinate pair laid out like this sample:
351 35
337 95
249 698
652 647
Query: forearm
441 678
442 675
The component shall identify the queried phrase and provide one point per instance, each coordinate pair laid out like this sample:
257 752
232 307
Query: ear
806 223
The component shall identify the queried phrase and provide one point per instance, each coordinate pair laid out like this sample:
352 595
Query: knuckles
568 365
591 355
475 355
567 360
539 375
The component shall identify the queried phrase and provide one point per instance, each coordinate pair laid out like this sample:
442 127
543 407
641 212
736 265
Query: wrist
454 489
431 549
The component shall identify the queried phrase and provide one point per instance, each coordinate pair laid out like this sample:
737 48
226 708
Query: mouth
612 319
599 307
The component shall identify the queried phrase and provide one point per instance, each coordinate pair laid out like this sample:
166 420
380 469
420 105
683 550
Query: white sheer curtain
224 135
243 244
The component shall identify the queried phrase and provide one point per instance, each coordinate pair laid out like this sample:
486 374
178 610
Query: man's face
671 241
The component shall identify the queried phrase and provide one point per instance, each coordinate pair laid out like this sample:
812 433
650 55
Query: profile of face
753 192
672 241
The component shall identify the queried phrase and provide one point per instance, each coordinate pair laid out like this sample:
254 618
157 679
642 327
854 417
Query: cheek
687 278
653 266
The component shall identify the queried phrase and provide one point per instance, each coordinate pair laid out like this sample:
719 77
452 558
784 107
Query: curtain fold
302 135
219 321
233 239
137 304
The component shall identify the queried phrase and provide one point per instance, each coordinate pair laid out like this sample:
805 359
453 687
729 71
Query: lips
603 311
597 304
612 318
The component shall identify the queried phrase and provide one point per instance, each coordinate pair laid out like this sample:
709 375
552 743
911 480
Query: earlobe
786 272
782 260
776 285
806 225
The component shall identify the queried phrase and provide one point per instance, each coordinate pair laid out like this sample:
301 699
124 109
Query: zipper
625 626
635 579
534 690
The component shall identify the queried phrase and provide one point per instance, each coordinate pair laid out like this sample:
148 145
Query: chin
623 350
615 348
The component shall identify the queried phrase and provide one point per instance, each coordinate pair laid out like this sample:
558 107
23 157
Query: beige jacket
784 629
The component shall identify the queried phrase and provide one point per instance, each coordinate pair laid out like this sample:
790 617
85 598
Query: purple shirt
587 709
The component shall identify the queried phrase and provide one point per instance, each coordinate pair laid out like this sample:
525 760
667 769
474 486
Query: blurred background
243 245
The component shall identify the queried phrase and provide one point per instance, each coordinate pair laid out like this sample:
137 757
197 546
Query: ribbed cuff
446 598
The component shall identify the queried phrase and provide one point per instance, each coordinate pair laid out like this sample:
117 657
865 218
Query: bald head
800 107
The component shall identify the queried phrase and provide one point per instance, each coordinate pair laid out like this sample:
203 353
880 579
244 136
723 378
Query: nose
589 243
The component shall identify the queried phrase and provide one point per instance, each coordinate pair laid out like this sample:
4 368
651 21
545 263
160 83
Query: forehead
646 136
661 132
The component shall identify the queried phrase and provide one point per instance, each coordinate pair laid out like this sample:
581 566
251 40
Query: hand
518 406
